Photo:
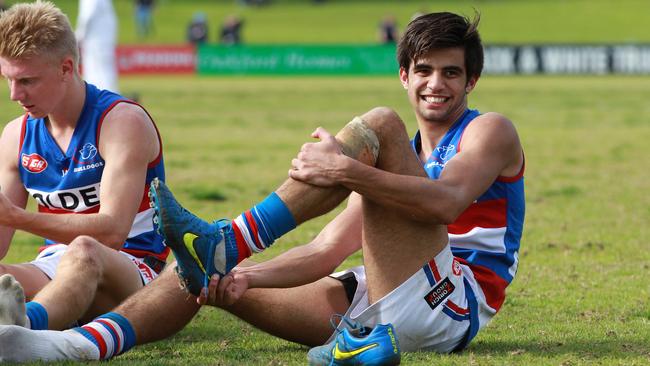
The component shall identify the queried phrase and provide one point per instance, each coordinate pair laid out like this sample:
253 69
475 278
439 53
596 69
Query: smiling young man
438 218
86 156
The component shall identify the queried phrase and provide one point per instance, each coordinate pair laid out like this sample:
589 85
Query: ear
67 68
471 83
404 77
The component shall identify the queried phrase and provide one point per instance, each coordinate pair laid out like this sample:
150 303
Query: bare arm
128 143
490 148
11 188
297 266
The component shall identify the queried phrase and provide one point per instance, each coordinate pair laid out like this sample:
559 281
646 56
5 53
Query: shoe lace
340 322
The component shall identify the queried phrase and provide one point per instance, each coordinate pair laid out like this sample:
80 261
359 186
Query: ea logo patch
33 163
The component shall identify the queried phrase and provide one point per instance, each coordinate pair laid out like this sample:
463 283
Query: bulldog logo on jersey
88 151
444 152
33 163
86 159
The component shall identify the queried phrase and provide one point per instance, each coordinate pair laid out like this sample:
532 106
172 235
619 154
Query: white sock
12 301
18 344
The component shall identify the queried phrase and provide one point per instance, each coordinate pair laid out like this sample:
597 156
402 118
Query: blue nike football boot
201 249
358 345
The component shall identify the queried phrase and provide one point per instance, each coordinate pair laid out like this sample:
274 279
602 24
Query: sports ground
581 295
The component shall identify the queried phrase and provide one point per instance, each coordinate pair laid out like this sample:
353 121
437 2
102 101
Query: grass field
581 295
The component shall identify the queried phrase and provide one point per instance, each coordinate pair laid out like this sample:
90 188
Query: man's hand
319 163
225 291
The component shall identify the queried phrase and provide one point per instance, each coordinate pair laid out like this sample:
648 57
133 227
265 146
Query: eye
452 73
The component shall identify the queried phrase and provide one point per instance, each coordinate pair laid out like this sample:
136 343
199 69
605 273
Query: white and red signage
152 59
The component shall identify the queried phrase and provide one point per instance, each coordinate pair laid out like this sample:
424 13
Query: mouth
434 99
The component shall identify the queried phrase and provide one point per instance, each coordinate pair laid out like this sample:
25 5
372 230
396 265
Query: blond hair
37 29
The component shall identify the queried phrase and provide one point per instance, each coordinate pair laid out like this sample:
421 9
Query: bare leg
299 314
91 279
394 246
160 309
30 277
306 201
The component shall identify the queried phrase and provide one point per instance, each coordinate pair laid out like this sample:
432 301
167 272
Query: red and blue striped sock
111 333
256 229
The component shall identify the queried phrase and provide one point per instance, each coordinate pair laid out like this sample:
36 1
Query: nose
16 93
435 81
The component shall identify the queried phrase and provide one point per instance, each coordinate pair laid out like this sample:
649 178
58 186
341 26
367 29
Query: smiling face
437 85
37 84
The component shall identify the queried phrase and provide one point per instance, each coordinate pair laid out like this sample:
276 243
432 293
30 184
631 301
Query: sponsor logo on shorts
439 293
33 163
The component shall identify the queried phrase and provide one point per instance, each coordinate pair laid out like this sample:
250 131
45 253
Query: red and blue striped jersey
486 236
68 182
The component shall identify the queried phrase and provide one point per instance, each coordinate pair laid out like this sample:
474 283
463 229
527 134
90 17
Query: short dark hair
442 30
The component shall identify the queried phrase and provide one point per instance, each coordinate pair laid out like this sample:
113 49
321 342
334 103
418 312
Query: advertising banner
145 59
568 59
374 59
297 60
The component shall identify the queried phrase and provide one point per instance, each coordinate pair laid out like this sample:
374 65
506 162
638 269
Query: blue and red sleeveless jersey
486 236
68 182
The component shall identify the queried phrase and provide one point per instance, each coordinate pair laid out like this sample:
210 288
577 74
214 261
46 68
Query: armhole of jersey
518 175
500 178
460 140
23 131
101 121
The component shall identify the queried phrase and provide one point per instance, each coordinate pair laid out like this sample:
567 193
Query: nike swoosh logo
342 355
188 239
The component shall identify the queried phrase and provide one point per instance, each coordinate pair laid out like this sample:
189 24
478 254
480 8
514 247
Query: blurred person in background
97 36
388 33
197 30
231 30
144 17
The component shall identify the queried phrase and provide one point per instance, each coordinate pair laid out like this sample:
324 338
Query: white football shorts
48 259
430 311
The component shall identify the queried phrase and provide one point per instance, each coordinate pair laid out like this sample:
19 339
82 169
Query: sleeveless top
486 236
68 182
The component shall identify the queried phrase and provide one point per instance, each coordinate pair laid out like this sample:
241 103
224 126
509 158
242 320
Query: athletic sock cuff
127 330
274 212
37 315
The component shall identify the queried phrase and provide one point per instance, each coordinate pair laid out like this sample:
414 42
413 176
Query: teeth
435 99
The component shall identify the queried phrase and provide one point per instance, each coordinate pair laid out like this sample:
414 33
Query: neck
67 112
431 132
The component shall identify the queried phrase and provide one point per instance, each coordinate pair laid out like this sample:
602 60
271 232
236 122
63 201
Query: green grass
581 295
356 21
